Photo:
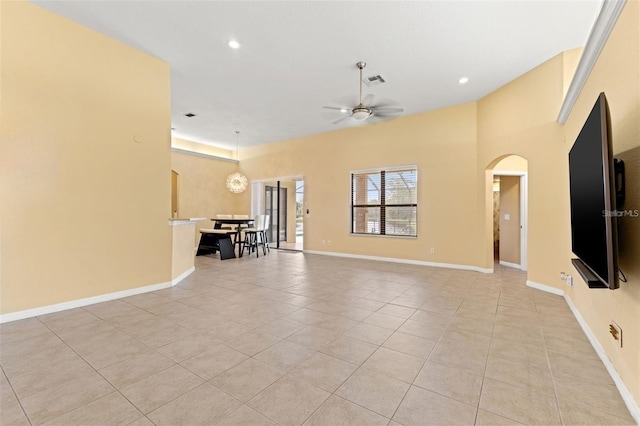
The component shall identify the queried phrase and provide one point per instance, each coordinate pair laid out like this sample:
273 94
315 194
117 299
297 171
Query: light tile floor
292 338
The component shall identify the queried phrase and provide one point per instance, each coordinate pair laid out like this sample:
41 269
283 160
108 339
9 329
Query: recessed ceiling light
234 44
463 80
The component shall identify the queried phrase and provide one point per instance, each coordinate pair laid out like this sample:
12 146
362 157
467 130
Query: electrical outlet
433 251
563 276
616 332
329 242
569 280
322 242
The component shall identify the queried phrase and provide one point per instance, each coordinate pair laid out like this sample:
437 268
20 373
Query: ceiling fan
365 109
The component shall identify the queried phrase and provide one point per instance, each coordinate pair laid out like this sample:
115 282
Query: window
385 201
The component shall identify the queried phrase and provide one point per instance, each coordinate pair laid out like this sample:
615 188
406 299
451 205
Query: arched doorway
508 176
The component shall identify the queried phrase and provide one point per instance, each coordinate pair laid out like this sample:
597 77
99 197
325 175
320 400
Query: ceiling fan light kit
365 108
361 113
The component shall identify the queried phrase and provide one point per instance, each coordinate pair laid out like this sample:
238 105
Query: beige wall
85 162
441 143
512 163
510 228
202 188
183 249
571 58
617 73
201 148
520 119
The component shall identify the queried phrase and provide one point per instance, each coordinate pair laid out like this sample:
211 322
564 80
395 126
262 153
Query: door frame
257 193
524 213
175 194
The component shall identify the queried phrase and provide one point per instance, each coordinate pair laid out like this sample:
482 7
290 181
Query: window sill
409 237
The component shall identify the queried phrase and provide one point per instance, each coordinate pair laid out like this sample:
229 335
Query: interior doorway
283 200
294 239
509 200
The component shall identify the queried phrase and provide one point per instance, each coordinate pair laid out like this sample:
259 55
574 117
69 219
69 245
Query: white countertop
185 220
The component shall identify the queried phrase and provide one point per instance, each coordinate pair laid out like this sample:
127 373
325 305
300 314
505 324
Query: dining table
238 230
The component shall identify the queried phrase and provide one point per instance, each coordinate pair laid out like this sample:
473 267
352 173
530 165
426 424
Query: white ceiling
297 56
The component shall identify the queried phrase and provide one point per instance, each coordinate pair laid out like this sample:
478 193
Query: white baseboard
545 287
28 313
631 404
406 261
510 265
182 276
627 397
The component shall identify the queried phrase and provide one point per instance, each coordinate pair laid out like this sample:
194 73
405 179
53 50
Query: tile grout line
16 395
486 362
333 393
553 380
151 349
85 361
424 362
538 328
107 380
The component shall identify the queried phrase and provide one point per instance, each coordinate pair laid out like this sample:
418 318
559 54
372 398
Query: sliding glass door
276 207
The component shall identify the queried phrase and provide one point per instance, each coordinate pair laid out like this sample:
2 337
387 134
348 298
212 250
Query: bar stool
250 236
239 239
265 234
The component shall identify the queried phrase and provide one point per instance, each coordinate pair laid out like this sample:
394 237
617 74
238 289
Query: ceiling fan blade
381 117
387 110
336 108
368 100
373 119
341 119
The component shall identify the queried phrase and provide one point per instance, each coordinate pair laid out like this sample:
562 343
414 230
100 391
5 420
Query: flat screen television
592 183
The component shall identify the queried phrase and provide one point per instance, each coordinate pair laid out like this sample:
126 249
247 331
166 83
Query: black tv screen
593 204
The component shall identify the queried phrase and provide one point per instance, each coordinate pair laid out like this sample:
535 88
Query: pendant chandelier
236 181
